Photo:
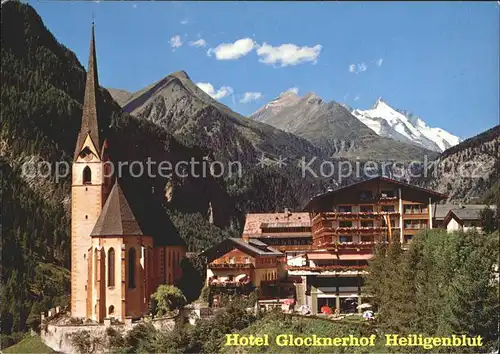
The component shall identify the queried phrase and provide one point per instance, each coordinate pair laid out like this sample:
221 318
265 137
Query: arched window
111 267
87 175
131 268
111 310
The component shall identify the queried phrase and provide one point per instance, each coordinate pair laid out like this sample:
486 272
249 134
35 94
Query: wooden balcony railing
332 215
229 265
337 268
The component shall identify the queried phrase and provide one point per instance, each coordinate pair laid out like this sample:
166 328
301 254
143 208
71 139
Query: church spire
90 124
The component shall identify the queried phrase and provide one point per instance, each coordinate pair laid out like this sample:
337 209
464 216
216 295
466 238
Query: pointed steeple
89 113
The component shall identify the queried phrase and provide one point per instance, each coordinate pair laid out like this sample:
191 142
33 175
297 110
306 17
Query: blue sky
438 60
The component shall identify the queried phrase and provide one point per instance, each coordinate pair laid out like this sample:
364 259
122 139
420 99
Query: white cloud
184 22
379 62
250 96
356 98
222 92
231 51
288 54
176 41
357 68
198 43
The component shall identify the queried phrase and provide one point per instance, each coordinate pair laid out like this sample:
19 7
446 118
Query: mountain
176 104
389 122
120 96
330 126
467 172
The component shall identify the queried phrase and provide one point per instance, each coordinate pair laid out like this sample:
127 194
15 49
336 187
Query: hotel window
388 194
344 223
131 268
366 238
388 208
366 208
367 223
111 267
415 209
415 224
345 209
365 195
345 238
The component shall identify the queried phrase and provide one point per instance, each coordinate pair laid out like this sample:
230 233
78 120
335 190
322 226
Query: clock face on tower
86 154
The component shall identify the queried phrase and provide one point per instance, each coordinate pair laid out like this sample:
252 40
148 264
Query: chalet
242 266
464 217
287 232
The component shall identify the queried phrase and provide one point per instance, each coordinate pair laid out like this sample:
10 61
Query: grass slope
32 344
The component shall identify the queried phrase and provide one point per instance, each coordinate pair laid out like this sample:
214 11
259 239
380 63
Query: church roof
117 218
89 113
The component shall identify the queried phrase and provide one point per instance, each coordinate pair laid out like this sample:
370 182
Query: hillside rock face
176 104
331 127
467 172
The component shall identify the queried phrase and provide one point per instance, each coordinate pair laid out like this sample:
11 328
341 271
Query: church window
87 175
111 267
111 310
131 268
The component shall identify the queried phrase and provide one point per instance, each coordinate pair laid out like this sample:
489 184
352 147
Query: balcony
230 265
332 215
419 226
332 269
350 230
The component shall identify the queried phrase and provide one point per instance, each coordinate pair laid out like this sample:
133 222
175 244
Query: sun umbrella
364 306
240 277
326 310
368 314
289 301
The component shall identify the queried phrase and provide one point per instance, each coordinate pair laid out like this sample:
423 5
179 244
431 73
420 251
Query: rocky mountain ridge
332 127
403 126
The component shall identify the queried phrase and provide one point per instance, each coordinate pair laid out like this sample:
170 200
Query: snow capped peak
400 125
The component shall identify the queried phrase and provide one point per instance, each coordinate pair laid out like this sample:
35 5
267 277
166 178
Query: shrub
166 298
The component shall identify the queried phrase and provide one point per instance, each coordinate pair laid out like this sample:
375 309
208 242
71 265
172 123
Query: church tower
89 188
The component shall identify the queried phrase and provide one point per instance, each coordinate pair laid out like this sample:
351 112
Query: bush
84 342
165 299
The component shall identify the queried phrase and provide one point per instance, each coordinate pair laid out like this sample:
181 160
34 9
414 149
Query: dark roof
463 211
228 244
117 218
89 112
131 209
466 212
148 208
434 195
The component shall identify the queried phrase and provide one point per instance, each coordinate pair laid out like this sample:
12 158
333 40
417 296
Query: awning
332 256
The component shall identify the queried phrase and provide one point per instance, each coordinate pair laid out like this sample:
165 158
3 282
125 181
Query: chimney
288 213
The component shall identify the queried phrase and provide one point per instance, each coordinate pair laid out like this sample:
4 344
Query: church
120 249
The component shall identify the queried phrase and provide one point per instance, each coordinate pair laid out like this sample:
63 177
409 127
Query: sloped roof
255 221
131 209
435 196
462 211
117 218
229 244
